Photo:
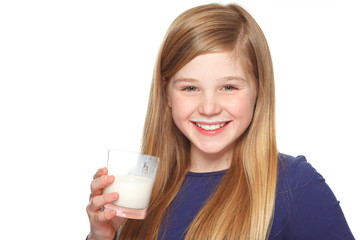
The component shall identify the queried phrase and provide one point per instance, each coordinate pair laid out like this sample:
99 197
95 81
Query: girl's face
212 102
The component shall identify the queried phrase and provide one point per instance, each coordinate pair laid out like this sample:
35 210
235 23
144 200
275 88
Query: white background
74 81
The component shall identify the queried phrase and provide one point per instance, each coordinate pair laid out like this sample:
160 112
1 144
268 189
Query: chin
213 150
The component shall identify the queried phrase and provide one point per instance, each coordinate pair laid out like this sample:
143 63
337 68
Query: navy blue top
305 207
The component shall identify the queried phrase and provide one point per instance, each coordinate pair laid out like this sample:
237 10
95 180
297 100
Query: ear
165 84
168 101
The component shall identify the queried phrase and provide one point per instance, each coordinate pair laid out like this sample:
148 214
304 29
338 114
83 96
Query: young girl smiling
211 121
212 102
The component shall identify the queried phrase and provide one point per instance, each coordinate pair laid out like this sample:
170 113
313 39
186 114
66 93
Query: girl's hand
103 224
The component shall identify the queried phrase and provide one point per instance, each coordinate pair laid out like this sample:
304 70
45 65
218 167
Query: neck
209 162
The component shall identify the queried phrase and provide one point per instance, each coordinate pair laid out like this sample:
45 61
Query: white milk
134 191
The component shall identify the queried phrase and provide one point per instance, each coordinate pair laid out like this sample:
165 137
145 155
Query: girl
211 120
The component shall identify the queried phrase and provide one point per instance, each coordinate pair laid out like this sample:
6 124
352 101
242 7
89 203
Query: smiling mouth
211 127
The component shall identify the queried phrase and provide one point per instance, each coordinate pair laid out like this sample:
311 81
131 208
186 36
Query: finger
100 172
97 202
105 216
98 184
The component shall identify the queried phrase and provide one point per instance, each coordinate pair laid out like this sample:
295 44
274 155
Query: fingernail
115 195
113 213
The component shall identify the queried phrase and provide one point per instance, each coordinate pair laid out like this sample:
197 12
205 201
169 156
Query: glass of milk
134 178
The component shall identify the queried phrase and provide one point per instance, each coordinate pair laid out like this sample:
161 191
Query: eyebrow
227 78
190 80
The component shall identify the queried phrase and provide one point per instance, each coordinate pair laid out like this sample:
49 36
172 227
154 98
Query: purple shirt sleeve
305 207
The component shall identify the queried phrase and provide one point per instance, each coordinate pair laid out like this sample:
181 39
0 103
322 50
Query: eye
190 89
228 88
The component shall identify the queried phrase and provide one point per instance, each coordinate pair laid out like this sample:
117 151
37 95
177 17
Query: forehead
212 66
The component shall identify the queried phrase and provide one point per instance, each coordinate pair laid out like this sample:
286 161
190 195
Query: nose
209 106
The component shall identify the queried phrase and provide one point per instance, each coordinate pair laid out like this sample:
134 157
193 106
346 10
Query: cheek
181 118
243 108
181 109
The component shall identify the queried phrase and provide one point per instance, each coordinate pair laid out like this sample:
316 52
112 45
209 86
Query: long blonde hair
242 206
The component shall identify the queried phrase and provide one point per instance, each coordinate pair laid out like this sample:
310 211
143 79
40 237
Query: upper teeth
210 127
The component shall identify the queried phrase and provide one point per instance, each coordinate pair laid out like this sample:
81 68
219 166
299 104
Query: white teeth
210 127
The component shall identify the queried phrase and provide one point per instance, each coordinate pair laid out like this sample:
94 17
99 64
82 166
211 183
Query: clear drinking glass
134 178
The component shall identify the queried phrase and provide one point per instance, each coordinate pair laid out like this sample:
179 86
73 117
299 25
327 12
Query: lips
211 129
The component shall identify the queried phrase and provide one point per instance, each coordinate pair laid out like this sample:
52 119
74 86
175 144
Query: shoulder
305 206
295 172
302 186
